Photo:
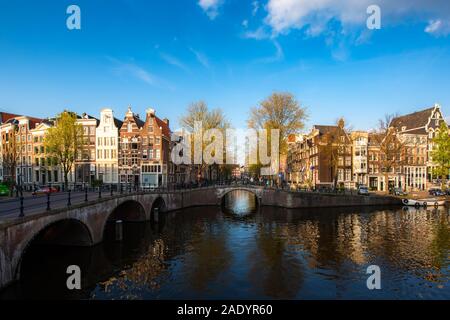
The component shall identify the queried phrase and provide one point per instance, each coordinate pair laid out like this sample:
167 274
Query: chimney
166 121
150 111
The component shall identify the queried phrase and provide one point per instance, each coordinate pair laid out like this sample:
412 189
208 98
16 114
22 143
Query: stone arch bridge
84 224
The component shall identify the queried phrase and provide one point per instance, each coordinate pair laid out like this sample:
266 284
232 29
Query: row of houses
132 150
330 154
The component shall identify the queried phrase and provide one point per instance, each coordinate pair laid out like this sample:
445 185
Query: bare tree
279 111
210 119
336 147
391 147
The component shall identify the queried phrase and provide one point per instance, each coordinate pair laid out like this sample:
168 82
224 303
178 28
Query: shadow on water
242 251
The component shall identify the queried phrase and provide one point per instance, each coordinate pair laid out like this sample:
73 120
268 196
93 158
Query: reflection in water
274 253
239 203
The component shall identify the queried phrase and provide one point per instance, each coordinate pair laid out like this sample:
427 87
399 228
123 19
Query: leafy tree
64 141
441 153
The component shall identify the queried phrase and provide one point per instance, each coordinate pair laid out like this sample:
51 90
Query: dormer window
403 128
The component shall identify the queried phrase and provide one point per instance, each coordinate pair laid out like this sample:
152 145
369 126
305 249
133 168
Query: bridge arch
62 232
227 191
159 204
128 210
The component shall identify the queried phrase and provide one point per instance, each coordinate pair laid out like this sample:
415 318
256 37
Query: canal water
242 251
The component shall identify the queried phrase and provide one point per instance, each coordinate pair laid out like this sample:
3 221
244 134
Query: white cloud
201 58
257 34
438 27
245 23
284 15
174 61
255 5
278 56
130 69
211 7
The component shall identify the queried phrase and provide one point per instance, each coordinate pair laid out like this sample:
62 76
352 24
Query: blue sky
230 53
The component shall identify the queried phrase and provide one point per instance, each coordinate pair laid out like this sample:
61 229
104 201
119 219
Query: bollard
99 192
69 203
119 230
86 195
111 190
21 207
48 201
156 215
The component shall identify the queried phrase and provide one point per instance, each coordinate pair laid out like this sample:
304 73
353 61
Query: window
129 127
157 140
158 153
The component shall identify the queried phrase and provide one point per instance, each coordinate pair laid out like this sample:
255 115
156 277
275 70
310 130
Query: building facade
360 141
107 147
155 146
85 165
130 149
46 169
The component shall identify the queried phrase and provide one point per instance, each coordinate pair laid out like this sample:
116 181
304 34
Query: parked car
398 192
436 192
4 190
44 190
363 190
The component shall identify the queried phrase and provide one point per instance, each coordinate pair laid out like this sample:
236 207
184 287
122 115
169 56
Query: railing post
99 192
21 207
48 201
69 203
85 195
111 190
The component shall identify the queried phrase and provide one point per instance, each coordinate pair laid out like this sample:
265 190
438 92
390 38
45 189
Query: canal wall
292 200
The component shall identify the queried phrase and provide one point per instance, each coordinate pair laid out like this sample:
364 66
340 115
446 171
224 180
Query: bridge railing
49 198
46 199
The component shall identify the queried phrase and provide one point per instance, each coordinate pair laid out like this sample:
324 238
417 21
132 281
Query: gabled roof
164 127
5 116
138 121
87 116
118 123
325 129
413 120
